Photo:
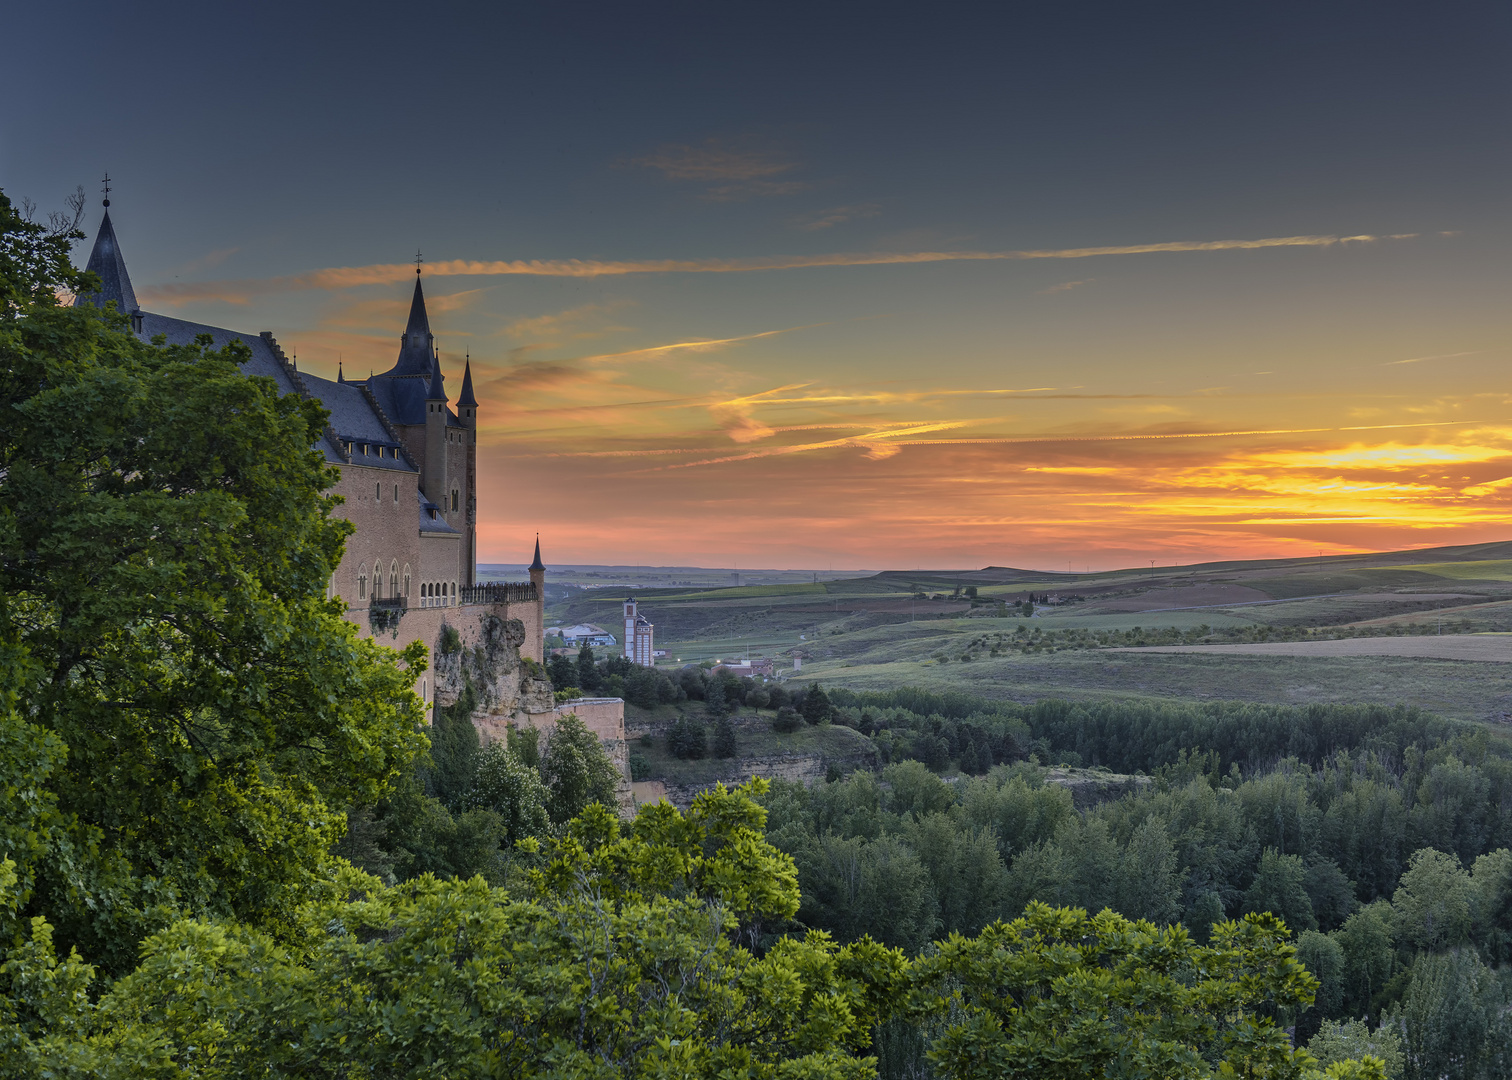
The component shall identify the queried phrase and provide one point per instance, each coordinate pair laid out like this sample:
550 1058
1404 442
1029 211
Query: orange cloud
389 273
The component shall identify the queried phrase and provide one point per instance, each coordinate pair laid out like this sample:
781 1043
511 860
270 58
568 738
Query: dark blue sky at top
312 135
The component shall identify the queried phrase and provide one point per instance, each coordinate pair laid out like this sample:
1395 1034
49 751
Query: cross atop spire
106 186
419 258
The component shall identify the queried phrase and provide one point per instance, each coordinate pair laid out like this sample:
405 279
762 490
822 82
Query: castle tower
538 579
433 479
467 414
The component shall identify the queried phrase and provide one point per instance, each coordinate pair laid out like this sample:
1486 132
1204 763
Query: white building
588 634
638 631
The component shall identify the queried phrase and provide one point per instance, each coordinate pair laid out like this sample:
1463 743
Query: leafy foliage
165 543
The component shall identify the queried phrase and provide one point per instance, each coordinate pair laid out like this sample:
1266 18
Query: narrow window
454 500
378 492
394 578
396 492
377 581
406 579
362 584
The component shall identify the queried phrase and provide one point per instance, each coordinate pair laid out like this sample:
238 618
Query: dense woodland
231 844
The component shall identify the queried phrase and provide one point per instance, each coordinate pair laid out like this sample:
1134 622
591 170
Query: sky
1068 287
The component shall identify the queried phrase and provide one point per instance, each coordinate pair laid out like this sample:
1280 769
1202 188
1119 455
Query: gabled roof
106 261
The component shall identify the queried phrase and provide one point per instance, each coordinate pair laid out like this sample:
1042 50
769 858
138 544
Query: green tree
562 672
816 705
1323 957
853 887
1369 957
688 739
1149 882
587 670
1280 887
715 701
1450 1018
915 791
165 544
577 770
1061 995
787 720
511 789
964 868
1339 1041
724 738
1431 908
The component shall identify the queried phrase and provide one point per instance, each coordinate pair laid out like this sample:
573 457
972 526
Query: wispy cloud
573 323
1066 286
1440 356
388 273
740 169
835 215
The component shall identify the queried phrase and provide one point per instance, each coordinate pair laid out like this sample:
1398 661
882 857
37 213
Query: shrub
787 720
640 767
451 641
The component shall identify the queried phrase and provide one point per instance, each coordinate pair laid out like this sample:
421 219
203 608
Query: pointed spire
416 347
467 390
106 261
339 376
538 565
437 391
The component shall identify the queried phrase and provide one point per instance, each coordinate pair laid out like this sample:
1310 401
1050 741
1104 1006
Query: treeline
1026 640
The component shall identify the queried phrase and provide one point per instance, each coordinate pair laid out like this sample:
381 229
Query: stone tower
467 413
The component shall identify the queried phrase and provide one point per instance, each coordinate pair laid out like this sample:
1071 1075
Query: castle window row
438 594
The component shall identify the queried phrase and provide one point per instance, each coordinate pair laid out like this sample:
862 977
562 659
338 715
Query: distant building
587 634
638 632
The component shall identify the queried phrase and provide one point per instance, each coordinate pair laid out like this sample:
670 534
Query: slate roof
435 524
106 261
403 398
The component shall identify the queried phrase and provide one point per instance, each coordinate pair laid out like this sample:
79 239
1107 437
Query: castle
408 477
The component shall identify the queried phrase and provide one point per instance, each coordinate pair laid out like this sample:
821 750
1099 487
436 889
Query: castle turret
467 415
538 572
433 479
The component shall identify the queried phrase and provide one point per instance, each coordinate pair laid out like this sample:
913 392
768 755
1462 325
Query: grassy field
902 628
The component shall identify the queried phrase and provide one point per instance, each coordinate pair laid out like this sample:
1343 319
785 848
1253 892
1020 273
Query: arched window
377 581
453 599
362 583
454 500
394 578
406 580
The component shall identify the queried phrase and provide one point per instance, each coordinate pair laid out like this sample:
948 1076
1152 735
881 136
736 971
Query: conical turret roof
415 347
106 261
467 390
437 390
538 564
